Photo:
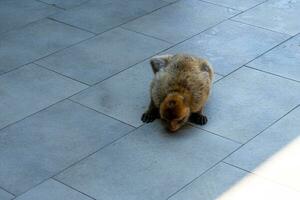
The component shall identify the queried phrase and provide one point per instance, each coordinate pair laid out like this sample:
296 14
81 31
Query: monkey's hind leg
198 118
151 114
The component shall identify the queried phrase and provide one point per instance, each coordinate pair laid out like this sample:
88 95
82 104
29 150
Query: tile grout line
226 138
73 26
80 160
193 180
118 26
62 7
267 51
72 188
51 70
222 21
270 125
46 68
99 112
237 167
260 27
270 73
8 192
93 36
50 4
140 33
261 176
49 106
33 61
173 45
220 5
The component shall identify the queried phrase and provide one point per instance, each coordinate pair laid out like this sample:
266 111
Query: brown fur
181 86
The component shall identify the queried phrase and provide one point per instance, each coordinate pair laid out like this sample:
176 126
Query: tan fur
184 74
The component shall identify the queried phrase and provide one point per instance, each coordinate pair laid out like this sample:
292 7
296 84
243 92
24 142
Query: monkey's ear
160 62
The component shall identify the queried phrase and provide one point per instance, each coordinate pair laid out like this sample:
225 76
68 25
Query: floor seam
261 176
290 79
216 134
99 112
193 180
219 5
260 27
69 46
80 160
73 26
128 29
5 190
60 74
47 107
72 188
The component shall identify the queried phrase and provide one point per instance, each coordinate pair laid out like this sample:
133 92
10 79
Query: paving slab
5 195
52 190
230 45
34 41
30 89
180 20
273 153
283 60
225 182
14 13
66 4
99 16
246 102
277 15
99 58
49 141
237 4
147 164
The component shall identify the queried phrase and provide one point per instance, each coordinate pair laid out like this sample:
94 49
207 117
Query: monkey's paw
148 117
198 119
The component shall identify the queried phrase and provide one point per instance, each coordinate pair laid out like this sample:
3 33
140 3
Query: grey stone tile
278 15
230 45
248 101
124 96
66 4
30 89
274 153
147 164
34 41
14 13
283 60
237 4
99 16
52 190
225 182
180 20
46 143
5 195
103 56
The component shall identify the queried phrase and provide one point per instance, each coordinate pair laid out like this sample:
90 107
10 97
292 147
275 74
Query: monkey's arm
151 114
198 117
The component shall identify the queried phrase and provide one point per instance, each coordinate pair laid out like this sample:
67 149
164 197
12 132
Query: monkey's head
175 111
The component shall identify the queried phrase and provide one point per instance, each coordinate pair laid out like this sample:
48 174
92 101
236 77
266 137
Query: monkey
179 90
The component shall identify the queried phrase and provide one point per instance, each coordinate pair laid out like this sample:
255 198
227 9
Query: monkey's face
174 111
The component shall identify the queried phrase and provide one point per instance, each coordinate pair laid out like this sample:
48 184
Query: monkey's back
184 74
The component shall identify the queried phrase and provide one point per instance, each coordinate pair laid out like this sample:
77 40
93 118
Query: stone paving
74 79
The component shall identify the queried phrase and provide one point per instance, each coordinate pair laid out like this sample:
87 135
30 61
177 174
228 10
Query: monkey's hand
149 116
198 118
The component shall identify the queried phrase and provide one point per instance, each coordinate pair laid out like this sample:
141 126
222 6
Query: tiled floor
74 81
